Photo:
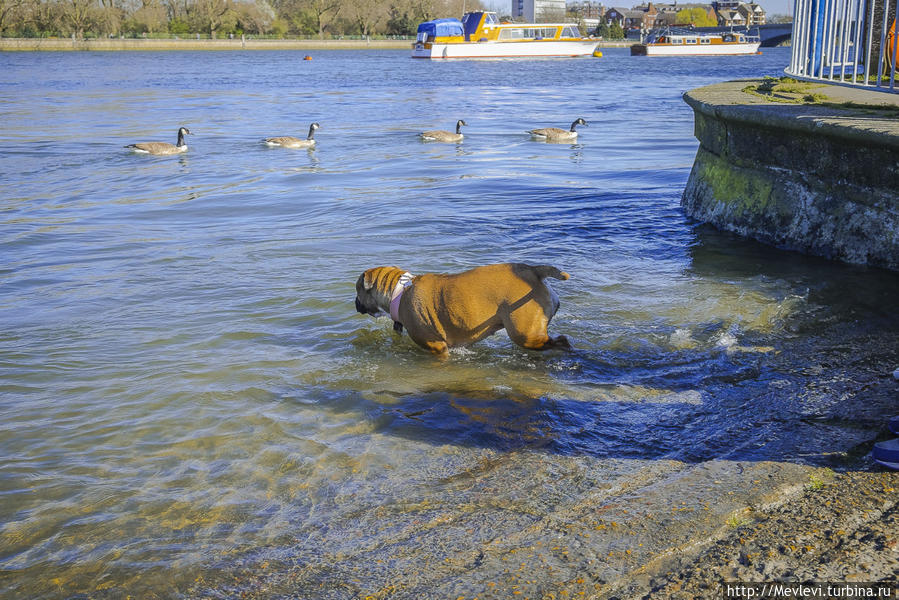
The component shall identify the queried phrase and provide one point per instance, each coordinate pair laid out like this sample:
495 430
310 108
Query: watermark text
810 590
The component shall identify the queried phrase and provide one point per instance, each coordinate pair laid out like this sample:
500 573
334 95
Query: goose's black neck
311 132
180 138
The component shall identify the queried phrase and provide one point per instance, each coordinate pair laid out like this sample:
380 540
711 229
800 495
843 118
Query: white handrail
833 38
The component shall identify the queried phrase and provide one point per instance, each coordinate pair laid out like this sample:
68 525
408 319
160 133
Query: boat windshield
470 22
491 19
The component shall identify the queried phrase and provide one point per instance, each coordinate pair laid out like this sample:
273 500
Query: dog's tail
544 271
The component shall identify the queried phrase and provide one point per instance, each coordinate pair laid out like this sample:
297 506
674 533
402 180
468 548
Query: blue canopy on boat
441 27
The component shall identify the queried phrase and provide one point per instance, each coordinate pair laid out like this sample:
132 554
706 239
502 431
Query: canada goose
438 135
291 142
554 134
160 148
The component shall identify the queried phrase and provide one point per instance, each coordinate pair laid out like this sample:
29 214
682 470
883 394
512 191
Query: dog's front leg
438 349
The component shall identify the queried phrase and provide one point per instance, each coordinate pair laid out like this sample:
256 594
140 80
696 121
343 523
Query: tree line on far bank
217 18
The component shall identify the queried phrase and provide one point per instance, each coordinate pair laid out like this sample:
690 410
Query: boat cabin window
690 40
491 19
570 31
544 32
526 33
705 40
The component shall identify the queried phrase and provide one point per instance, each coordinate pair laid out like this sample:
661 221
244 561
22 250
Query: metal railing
846 41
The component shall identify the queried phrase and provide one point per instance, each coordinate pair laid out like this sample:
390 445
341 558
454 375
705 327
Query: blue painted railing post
817 24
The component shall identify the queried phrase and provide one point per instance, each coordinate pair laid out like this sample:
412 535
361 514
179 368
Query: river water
191 406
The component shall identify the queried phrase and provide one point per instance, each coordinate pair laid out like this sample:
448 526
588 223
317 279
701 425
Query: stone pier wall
820 179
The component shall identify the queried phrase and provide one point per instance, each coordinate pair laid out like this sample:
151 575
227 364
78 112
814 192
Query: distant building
730 17
586 9
733 13
754 14
728 13
641 17
539 11
586 13
614 16
668 13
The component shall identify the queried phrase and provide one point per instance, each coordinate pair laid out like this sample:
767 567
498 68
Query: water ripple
186 386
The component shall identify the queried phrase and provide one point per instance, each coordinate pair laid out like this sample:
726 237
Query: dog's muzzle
361 309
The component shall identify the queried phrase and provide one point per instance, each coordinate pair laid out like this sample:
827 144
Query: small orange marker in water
307 57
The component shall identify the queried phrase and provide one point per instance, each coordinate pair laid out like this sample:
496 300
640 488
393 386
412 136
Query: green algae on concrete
785 89
818 177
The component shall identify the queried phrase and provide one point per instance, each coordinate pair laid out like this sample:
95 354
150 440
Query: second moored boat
672 41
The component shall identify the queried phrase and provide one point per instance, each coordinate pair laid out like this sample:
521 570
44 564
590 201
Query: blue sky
772 7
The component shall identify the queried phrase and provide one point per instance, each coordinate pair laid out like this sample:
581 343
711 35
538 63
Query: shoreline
154 45
841 528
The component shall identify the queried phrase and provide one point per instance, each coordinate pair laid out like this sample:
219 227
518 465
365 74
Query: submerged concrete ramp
804 166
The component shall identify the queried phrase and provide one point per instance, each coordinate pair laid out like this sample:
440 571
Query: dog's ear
368 279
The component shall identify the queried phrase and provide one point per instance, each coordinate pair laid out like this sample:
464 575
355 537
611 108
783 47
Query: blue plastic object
888 465
894 425
887 453
441 27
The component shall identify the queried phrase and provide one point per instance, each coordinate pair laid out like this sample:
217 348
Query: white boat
683 42
480 34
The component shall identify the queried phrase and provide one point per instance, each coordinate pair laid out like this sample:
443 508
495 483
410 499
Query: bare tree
212 15
323 11
110 15
44 16
456 8
78 15
151 17
367 15
177 10
8 10
256 17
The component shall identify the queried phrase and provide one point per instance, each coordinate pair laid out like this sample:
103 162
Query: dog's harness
404 282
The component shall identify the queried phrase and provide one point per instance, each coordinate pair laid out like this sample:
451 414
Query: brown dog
440 311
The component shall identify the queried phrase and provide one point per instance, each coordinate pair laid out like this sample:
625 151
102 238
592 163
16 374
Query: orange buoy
891 44
307 57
